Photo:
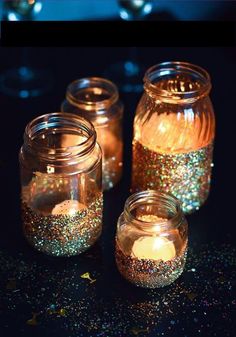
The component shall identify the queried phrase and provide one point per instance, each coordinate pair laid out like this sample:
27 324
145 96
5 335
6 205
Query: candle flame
155 248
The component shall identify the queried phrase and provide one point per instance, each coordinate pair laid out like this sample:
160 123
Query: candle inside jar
56 224
153 247
151 239
68 207
169 155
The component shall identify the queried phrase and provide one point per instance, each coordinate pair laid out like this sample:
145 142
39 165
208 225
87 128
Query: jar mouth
152 207
177 81
93 94
60 136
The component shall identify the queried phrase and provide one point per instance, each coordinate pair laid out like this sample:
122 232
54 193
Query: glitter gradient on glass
63 235
151 239
174 130
61 184
148 273
187 176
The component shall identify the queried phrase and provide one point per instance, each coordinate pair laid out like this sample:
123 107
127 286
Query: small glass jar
61 178
151 239
174 129
97 99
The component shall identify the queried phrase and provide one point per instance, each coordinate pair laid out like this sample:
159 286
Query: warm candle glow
173 153
61 199
112 149
68 207
107 141
151 239
97 99
155 248
172 133
68 140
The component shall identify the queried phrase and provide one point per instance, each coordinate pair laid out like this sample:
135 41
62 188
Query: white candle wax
153 247
68 207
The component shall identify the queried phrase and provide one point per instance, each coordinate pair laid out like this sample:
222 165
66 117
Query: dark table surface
42 296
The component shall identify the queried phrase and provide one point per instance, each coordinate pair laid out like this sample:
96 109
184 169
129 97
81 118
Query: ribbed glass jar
61 178
151 239
174 129
97 99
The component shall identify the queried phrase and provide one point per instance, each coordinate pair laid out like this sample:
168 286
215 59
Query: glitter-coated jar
151 239
61 180
97 99
174 129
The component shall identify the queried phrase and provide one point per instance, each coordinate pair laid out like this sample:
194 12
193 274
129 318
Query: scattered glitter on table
66 305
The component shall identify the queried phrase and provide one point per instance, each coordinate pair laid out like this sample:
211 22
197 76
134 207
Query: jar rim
59 120
92 82
171 68
139 198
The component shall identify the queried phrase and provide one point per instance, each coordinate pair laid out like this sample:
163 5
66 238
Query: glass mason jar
61 178
151 239
97 99
174 129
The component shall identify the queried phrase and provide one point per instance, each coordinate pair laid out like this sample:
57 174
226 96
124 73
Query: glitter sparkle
46 286
148 273
185 175
63 235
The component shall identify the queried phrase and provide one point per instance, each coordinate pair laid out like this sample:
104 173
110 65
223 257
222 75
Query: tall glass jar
61 178
98 100
151 239
174 129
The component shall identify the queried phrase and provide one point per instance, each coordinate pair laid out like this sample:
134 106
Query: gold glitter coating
149 273
185 175
63 235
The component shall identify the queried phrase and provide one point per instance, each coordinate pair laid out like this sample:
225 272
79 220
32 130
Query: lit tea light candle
150 250
68 207
167 132
61 198
155 248
168 155
174 129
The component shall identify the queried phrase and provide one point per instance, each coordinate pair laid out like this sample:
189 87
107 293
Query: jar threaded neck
177 82
43 136
151 202
93 94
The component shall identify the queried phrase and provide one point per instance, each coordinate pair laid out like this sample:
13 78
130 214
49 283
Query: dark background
109 10
202 302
